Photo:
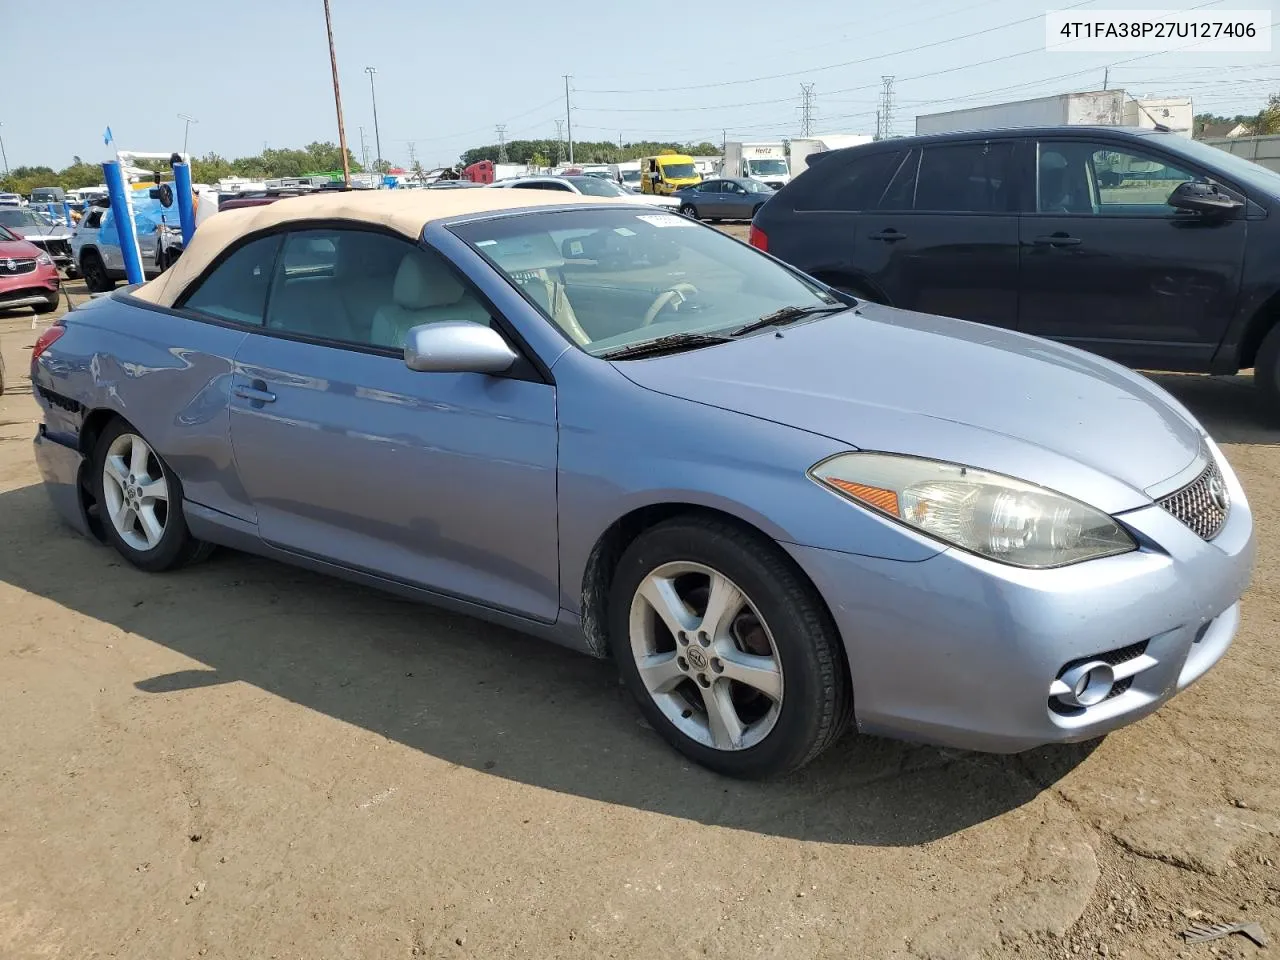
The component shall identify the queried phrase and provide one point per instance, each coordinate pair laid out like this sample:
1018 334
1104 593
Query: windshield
767 168
24 217
6 235
610 278
630 176
1250 173
678 171
595 187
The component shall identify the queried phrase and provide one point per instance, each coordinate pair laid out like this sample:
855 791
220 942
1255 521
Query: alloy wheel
135 492
706 656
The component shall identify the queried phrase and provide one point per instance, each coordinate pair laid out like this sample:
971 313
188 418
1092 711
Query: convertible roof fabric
404 211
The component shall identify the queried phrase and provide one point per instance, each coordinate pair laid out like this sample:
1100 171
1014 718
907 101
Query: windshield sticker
624 231
665 220
575 248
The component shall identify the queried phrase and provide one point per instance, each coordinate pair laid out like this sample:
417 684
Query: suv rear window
847 184
966 178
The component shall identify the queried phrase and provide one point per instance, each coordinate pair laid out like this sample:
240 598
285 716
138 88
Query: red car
28 275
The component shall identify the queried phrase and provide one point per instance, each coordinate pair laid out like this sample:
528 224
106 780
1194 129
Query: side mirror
457 347
1203 198
163 193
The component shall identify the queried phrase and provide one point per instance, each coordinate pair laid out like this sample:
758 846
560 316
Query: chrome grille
10 267
1203 504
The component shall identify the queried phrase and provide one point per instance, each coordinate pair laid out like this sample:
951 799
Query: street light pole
377 139
337 100
186 130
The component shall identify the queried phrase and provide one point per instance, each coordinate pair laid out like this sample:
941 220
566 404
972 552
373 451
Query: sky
256 72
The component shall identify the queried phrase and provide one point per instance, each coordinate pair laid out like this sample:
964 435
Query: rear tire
140 502
688 210
1266 373
772 622
95 273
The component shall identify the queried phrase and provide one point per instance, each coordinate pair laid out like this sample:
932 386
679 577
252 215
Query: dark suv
1143 246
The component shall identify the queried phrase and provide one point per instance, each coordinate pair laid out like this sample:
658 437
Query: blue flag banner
106 137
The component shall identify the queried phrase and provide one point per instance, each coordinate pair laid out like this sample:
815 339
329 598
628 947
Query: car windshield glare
596 187
613 278
6 235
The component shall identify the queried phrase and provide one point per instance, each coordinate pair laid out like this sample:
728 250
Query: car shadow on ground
1228 407
491 699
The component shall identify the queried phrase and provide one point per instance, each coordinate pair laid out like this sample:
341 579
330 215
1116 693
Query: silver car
728 198
779 510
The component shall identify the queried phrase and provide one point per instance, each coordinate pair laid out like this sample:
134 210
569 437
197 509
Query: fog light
1087 683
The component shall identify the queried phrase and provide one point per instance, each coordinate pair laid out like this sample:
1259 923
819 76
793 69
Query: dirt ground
242 760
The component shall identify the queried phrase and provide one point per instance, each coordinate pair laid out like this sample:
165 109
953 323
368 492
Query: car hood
877 378
44 232
18 250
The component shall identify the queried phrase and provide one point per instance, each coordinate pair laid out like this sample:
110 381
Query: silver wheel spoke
116 469
660 593
722 719
723 604
761 673
123 518
154 490
660 672
138 458
152 529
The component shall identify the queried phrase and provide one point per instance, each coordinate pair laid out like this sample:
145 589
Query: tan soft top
404 211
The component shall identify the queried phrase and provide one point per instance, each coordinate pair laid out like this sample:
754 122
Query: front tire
140 500
688 210
96 278
730 653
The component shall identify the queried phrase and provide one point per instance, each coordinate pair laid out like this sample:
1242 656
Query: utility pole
502 142
364 152
185 130
886 108
1106 78
559 142
568 114
806 109
4 156
337 99
377 138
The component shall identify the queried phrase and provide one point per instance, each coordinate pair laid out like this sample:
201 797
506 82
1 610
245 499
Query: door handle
888 236
257 394
1058 240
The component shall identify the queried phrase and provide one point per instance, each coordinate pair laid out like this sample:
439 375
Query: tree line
544 153
1263 123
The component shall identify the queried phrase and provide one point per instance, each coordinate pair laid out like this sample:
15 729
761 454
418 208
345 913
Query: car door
738 201
445 481
1109 266
944 238
709 199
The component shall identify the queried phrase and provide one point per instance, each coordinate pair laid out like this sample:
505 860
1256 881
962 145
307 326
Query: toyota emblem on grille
1218 492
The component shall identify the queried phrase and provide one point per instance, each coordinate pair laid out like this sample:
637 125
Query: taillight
46 340
756 237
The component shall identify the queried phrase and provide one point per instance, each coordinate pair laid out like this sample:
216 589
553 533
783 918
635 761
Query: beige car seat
425 291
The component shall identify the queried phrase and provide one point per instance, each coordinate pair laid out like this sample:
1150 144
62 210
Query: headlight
45 260
991 515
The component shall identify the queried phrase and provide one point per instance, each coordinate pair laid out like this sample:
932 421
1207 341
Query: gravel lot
243 760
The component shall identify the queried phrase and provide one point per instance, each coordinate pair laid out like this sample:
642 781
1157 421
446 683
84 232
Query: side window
848 184
363 287
92 220
1105 181
237 288
731 187
966 178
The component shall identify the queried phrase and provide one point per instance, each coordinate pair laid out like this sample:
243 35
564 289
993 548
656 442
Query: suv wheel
95 273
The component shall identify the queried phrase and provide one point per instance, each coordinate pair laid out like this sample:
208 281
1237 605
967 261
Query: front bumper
961 651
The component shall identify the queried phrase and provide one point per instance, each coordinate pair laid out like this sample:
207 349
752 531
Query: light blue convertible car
777 508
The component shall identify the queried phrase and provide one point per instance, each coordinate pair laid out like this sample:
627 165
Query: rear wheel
95 273
140 500
688 210
731 655
1266 373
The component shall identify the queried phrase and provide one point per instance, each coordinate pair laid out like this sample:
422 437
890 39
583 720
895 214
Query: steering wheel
676 295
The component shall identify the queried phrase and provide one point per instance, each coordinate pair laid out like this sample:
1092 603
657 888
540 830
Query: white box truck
803 147
766 162
1106 108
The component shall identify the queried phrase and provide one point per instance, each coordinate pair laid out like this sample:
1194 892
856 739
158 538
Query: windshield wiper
780 318
671 343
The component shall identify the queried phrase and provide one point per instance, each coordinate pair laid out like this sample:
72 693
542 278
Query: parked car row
780 508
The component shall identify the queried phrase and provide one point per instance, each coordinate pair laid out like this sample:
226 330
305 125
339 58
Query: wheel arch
602 563
91 427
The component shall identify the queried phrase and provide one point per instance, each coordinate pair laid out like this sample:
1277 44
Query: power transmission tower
559 142
364 152
502 142
886 108
806 109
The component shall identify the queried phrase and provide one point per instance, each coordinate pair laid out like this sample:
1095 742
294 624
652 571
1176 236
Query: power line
849 63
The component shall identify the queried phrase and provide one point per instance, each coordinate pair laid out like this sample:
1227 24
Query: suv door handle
888 236
257 394
1058 240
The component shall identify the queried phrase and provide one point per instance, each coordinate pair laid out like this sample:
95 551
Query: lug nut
702 679
703 638
717 665
682 663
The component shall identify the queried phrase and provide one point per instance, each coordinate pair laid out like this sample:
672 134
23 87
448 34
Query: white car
589 186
